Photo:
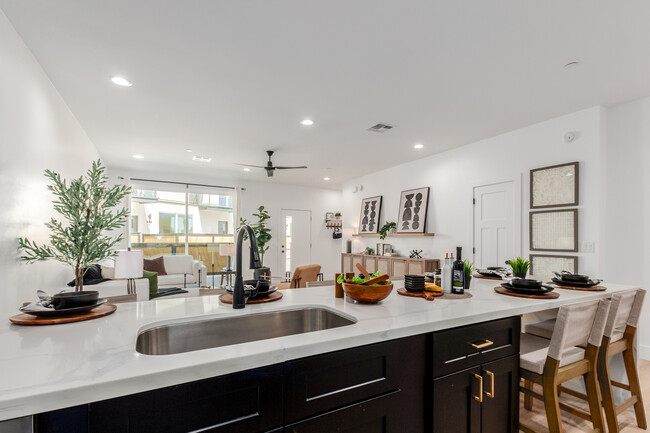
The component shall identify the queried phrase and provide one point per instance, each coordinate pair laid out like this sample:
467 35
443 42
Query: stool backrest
578 325
625 310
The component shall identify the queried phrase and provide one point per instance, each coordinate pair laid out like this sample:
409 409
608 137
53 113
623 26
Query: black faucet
238 296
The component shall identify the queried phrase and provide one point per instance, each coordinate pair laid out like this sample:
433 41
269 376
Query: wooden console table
394 266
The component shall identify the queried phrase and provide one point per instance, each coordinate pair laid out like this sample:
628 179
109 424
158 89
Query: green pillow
153 281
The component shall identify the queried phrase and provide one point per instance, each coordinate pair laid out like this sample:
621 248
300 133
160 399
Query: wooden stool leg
607 392
552 404
528 400
593 398
635 387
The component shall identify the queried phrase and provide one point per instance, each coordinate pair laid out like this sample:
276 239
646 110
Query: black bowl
65 300
525 283
574 278
263 285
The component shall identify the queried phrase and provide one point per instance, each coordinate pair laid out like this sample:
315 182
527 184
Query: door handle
490 394
478 345
479 398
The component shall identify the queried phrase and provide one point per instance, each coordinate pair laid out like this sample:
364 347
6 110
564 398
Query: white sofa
182 269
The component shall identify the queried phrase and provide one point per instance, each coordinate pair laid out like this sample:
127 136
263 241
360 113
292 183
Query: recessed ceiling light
138 156
198 158
307 122
326 178
571 65
188 150
120 81
247 169
418 146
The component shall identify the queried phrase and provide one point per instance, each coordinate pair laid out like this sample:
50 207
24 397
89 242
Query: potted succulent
519 267
86 208
388 227
469 267
263 237
337 215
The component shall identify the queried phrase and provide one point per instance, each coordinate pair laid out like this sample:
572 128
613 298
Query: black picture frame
412 216
369 223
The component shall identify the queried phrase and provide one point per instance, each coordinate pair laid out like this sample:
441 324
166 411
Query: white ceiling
231 79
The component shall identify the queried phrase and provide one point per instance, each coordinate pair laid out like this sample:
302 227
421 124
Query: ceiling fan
269 167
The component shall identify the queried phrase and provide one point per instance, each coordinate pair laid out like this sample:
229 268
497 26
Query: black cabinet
481 394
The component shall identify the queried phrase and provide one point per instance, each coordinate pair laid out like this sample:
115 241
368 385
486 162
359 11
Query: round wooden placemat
483 277
584 289
29 319
226 298
548 295
425 295
452 296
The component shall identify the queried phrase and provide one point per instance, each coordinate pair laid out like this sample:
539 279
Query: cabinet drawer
460 348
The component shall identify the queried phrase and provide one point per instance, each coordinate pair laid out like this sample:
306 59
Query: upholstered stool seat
534 350
545 330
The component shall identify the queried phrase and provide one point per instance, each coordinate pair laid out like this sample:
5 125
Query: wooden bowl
367 294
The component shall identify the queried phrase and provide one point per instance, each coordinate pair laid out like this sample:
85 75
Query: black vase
262 273
468 281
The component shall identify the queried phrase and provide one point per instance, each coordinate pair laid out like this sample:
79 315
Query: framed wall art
554 230
543 267
554 186
413 206
370 215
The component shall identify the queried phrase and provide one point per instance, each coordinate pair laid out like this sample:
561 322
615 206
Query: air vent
198 158
381 128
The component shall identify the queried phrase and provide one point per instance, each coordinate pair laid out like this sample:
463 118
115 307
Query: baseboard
644 352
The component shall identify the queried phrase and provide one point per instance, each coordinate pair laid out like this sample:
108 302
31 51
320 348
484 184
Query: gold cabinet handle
485 343
490 394
479 398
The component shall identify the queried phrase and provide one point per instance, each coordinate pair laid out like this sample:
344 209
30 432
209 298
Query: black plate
574 278
66 311
528 291
497 268
591 283
491 273
523 283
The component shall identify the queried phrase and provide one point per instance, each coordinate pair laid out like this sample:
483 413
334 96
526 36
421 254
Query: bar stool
553 362
618 337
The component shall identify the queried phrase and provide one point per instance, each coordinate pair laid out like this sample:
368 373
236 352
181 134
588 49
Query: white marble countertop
44 368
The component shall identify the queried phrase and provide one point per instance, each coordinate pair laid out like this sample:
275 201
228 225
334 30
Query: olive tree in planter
86 208
262 236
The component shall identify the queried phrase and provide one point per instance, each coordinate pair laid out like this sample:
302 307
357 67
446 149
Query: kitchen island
54 367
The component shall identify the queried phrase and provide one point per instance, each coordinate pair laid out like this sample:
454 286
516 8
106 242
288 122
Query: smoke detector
381 128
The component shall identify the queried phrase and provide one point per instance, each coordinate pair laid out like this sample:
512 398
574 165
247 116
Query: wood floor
571 424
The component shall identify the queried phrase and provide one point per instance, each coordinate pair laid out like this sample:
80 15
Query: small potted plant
337 215
469 267
389 227
262 236
519 267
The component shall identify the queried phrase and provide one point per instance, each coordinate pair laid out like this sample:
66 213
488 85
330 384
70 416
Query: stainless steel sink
203 334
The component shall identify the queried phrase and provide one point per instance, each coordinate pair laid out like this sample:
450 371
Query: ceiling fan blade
289 168
250 165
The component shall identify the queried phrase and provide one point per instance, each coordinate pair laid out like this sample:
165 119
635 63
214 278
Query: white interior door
295 244
497 216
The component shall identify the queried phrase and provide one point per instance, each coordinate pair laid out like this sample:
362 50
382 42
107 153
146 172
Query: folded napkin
44 303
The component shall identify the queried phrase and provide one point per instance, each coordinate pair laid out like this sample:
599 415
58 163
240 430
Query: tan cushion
304 274
542 329
534 351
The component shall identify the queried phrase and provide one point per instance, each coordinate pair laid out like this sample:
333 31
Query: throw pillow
155 265
108 272
153 281
92 276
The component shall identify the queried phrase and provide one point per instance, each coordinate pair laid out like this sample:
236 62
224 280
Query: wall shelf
393 234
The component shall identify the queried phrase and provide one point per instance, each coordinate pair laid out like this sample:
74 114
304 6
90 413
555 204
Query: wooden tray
28 319
583 289
483 277
226 298
425 295
504 291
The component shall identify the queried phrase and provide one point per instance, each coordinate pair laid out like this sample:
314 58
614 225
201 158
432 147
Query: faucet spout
238 295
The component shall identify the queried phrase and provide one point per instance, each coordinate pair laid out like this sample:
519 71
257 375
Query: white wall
625 254
452 176
37 131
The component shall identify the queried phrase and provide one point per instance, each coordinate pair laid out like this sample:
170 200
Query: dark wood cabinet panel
455 410
460 348
377 415
250 401
500 414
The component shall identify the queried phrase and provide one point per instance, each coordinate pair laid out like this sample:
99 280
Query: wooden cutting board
548 295
426 295
584 289
226 298
28 319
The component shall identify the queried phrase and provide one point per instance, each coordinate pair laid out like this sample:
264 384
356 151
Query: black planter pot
468 281
520 275
262 273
